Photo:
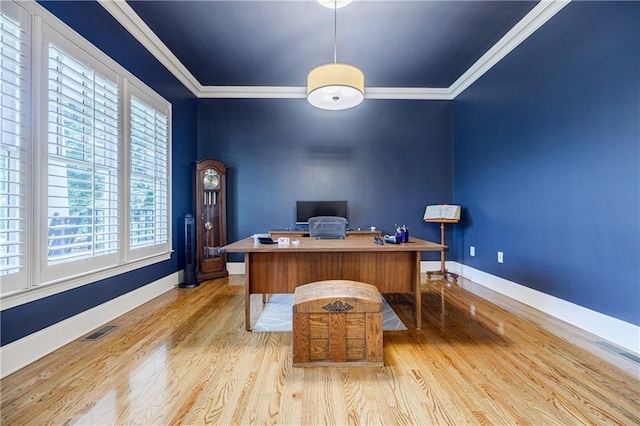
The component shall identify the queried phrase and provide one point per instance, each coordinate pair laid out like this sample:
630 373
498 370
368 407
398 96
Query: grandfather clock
211 220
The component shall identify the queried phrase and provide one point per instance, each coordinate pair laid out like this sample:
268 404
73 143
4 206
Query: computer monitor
307 209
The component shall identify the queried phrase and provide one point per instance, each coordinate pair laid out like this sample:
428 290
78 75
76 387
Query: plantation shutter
14 96
74 127
149 176
83 123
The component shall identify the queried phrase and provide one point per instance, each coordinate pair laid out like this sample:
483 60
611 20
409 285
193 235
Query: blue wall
547 161
544 149
94 23
388 159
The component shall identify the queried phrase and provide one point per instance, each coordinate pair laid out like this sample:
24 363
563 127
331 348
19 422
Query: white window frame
52 273
160 105
16 281
40 279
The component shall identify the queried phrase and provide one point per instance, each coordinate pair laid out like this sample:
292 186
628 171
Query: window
148 179
82 161
101 138
13 133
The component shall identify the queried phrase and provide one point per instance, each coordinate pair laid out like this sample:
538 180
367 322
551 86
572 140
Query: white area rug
277 315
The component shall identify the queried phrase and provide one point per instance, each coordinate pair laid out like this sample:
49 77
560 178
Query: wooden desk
301 233
272 268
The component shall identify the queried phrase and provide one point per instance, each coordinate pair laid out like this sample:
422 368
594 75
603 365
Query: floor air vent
633 357
100 332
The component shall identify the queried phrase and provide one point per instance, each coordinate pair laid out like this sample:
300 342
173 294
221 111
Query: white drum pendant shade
334 4
335 86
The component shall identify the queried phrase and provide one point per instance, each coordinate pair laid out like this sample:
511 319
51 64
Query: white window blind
83 123
13 157
149 175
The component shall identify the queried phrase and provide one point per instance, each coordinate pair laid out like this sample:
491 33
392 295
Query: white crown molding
252 92
130 20
275 92
537 17
417 93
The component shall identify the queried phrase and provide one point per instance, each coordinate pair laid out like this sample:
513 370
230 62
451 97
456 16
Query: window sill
21 297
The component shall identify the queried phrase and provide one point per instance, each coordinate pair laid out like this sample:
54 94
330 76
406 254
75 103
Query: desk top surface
248 245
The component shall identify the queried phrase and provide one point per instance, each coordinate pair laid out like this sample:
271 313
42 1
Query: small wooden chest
337 323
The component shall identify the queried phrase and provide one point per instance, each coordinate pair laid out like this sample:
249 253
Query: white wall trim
23 352
292 92
537 17
252 92
432 265
235 268
621 333
130 20
411 93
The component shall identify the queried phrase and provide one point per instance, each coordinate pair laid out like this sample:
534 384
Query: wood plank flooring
185 358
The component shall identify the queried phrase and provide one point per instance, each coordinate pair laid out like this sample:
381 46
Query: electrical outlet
500 257
472 251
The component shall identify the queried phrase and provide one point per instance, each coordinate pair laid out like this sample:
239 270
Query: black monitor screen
307 209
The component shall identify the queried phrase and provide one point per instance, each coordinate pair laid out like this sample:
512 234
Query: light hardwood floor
185 358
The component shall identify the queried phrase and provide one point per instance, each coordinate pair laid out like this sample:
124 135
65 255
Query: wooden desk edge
247 245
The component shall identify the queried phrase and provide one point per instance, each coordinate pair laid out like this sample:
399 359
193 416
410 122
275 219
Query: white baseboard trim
432 265
235 268
621 333
616 331
23 352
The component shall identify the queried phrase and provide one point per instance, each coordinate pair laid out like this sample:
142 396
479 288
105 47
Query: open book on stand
442 212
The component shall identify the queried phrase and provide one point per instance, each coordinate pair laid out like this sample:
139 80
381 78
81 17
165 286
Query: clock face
211 179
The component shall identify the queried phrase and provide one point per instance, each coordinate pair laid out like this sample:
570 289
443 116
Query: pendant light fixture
335 86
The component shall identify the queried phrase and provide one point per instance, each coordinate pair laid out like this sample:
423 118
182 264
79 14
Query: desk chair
327 227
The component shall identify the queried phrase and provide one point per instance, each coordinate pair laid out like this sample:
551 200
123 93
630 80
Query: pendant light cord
335 31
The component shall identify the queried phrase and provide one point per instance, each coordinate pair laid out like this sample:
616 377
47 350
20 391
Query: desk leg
418 292
247 292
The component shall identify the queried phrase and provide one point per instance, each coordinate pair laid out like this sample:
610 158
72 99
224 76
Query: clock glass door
210 219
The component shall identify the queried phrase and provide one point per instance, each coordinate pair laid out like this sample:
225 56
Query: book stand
443 270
